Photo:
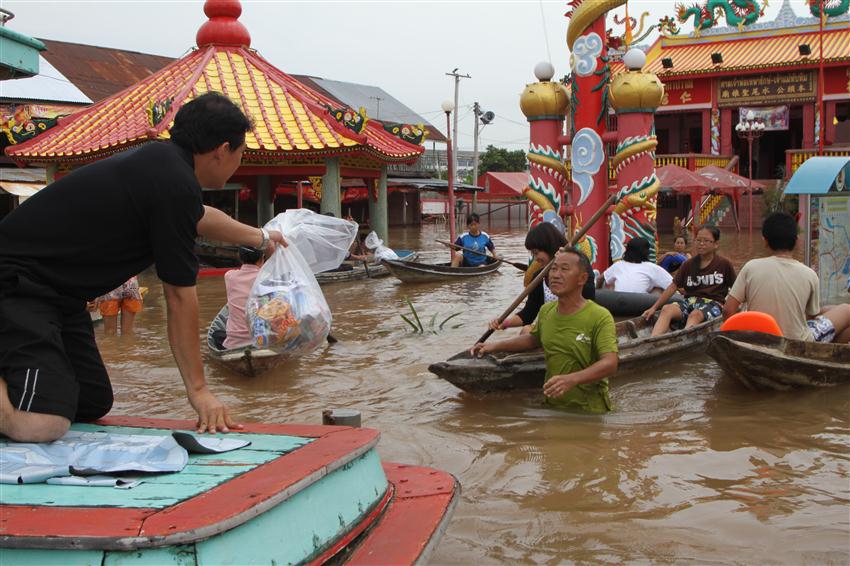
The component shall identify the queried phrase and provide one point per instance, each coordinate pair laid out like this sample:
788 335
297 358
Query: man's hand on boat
212 414
648 313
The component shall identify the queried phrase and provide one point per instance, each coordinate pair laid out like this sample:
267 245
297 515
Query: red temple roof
290 120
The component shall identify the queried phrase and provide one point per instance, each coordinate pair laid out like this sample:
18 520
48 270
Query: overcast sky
405 47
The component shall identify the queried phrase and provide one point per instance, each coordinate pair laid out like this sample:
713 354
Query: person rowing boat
577 335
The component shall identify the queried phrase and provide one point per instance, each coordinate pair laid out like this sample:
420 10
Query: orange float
753 321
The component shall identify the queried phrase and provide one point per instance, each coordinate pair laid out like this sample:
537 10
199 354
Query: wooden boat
249 361
413 272
508 371
297 495
764 361
358 271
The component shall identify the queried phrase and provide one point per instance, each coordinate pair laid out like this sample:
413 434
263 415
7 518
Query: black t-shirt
90 231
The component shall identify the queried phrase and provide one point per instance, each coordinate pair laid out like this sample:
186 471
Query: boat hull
507 372
298 494
359 272
414 272
248 361
766 362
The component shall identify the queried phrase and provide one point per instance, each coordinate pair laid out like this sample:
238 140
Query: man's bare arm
218 226
182 305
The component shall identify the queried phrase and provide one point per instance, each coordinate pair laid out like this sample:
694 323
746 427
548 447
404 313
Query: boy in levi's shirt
705 280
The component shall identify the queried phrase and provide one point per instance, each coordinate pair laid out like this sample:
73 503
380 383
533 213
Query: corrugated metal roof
49 85
355 95
101 71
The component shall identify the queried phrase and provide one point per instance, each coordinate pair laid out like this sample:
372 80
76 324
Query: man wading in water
90 231
578 339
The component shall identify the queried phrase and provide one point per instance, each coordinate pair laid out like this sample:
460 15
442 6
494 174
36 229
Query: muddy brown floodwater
689 467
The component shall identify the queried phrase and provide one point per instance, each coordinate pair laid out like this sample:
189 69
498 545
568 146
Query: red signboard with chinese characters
686 91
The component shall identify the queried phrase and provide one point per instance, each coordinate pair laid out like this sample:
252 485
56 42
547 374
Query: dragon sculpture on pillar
831 8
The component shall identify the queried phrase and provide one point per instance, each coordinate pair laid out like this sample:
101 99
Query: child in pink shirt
238 284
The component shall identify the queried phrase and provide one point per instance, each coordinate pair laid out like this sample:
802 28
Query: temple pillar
808 126
378 206
50 172
726 131
265 199
829 108
706 131
331 188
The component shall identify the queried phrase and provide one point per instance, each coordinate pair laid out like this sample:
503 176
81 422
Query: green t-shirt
573 343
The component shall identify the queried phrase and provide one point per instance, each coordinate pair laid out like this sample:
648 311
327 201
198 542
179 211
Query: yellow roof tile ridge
336 129
254 82
182 94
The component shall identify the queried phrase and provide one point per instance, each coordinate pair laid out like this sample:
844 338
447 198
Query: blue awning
821 176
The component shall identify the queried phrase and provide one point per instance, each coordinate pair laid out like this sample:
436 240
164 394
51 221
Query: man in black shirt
90 231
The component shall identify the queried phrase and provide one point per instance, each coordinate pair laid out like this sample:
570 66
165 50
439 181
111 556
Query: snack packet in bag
286 309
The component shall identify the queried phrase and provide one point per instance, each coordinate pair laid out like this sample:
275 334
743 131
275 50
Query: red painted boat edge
236 501
366 522
415 520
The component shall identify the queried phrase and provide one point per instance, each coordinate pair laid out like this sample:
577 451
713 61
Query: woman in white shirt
635 273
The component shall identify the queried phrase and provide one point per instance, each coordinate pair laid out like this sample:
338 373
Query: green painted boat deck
203 472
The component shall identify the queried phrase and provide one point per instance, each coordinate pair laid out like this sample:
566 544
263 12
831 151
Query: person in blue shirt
473 239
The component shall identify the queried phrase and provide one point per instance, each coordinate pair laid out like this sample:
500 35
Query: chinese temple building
298 133
714 76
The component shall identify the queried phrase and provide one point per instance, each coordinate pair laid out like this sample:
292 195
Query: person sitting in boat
477 241
672 261
543 242
110 220
578 338
635 273
704 279
238 284
784 288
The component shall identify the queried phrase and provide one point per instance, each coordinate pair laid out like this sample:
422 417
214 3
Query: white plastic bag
323 241
381 252
286 309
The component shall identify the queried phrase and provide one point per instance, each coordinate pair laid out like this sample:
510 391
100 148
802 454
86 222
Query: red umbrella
680 179
721 178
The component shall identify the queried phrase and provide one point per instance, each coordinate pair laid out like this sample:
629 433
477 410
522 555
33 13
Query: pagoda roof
760 51
289 119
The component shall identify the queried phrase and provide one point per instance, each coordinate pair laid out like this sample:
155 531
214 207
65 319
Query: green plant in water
415 322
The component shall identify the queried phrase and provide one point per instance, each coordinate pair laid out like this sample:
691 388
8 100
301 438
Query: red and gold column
589 105
635 96
544 103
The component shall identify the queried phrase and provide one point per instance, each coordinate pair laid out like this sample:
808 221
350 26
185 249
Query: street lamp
448 106
750 128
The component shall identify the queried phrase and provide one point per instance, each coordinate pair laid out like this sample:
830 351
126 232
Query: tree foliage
500 159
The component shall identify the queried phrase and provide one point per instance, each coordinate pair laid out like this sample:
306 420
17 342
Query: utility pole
378 100
457 77
476 109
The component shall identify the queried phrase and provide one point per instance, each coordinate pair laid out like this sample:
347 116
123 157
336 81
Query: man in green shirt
578 340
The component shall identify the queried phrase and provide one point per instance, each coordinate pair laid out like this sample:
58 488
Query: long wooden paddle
539 277
520 266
